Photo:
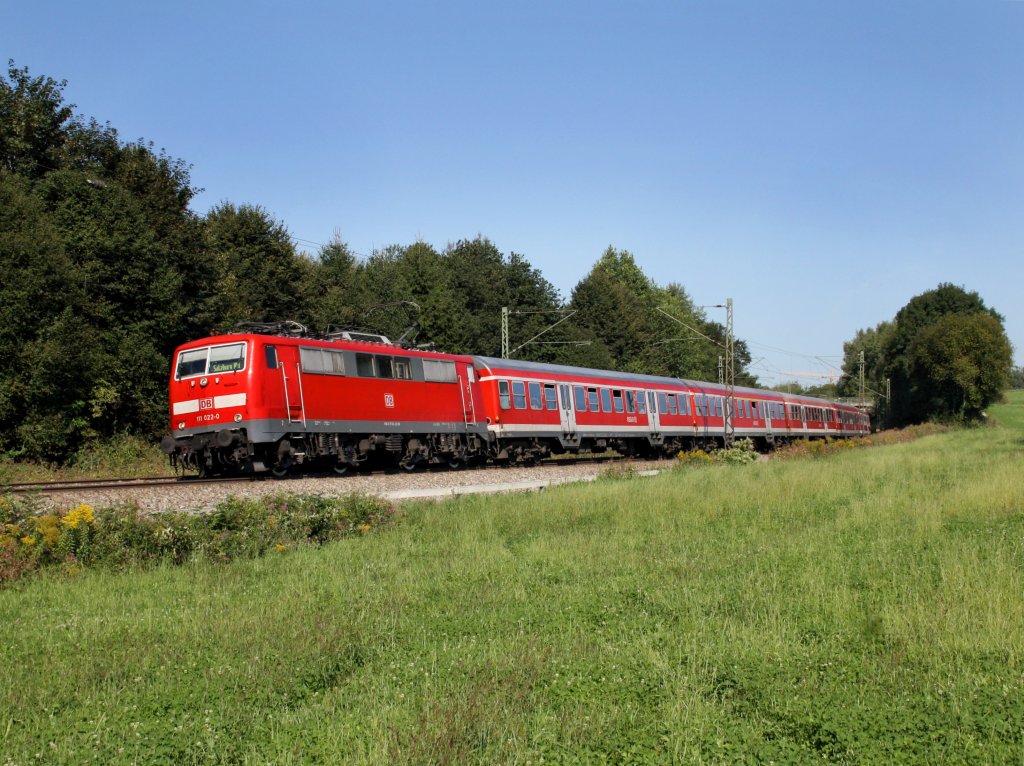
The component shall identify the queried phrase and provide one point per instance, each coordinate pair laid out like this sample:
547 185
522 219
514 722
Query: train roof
564 369
519 365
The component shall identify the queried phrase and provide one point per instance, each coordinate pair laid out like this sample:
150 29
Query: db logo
206 404
389 400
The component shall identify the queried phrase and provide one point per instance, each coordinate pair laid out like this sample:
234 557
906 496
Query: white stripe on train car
216 403
229 400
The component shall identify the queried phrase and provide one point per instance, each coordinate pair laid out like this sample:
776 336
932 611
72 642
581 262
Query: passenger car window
550 398
503 395
519 394
581 398
535 400
617 400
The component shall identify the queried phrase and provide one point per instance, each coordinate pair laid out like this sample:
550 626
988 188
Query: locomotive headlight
203 382
181 425
238 417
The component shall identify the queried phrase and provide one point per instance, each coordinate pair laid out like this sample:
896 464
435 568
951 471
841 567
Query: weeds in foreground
742 451
122 536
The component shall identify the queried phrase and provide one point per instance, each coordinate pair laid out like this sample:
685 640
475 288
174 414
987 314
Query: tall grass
858 608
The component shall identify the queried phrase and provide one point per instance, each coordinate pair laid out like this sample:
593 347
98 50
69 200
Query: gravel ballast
398 487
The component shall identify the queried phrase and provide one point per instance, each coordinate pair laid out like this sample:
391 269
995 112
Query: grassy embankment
861 608
121 457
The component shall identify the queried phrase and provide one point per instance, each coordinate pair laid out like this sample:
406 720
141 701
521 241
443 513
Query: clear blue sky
818 162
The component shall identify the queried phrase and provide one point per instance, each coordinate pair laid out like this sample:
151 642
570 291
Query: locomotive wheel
456 463
280 470
341 468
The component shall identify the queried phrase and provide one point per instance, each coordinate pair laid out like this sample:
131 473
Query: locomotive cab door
291 378
566 413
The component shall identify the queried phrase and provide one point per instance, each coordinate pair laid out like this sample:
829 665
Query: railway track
151 482
86 485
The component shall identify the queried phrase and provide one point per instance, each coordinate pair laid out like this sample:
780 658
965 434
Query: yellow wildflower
280 547
48 528
77 515
28 540
364 528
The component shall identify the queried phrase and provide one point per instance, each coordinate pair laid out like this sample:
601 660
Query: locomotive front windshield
211 360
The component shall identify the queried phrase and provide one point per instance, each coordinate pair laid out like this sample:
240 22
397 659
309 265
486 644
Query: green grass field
860 608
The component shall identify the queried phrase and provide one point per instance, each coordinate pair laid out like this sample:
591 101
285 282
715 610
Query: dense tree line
944 355
104 269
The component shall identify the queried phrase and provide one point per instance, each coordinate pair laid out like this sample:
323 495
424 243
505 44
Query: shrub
123 536
741 451
695 457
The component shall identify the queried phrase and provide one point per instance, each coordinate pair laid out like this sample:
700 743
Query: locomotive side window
550 397
364 366
402 369
581 398
192 362
321 361
384 367
535 400
439 371
311 359
503 395
271 354
519 394
227 358
211 360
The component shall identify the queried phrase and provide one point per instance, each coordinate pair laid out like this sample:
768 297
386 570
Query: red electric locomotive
249 402
268 399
